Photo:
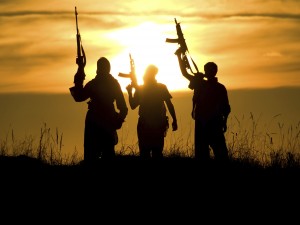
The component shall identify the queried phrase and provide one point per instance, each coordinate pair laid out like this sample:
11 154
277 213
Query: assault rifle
81 58
183 47
131 74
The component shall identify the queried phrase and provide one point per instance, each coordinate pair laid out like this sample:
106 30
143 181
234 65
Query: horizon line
171 91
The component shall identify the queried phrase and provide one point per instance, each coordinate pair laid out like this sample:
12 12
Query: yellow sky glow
254 47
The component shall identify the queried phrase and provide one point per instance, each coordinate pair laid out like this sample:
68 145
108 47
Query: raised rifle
131 74
81 58
183 47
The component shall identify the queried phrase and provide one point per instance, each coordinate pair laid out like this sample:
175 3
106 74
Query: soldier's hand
129 88
199 74
119 121
174 125
79 77
193 114
178 51
224 127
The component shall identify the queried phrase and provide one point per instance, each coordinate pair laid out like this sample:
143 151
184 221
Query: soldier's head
210 69
103 66
150 73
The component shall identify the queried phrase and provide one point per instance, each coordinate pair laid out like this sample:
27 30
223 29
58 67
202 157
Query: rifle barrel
76 20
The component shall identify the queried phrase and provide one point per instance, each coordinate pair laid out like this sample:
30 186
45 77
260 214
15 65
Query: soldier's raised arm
182 65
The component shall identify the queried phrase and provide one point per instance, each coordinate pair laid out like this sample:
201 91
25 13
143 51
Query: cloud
272 54
41 36
16 59
164 12
245 15
281 67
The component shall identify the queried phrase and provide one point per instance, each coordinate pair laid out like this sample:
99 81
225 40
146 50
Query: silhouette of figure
152 98
102 119
210 111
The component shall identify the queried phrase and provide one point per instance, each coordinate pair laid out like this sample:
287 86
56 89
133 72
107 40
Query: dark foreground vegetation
170 168
133 186
41 169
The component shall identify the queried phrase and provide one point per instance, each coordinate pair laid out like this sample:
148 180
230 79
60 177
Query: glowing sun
146 44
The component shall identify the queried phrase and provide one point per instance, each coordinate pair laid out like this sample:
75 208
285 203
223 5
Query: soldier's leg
201 142
90 141
144 150
108 145
142 141
157 150
219 146
108 152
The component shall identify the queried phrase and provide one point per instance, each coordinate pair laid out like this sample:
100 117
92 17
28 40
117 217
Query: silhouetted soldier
153 121
102 119
210 111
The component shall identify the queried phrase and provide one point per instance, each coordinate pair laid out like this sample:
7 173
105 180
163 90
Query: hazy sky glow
254 42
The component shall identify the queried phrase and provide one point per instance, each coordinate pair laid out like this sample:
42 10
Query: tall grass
267 143
48 148
249 140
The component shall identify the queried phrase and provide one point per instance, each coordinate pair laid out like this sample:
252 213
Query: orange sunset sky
254 42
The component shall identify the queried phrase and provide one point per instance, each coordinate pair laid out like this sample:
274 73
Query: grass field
249 185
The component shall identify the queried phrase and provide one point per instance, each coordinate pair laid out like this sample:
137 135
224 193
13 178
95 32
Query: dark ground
141 190
133 170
